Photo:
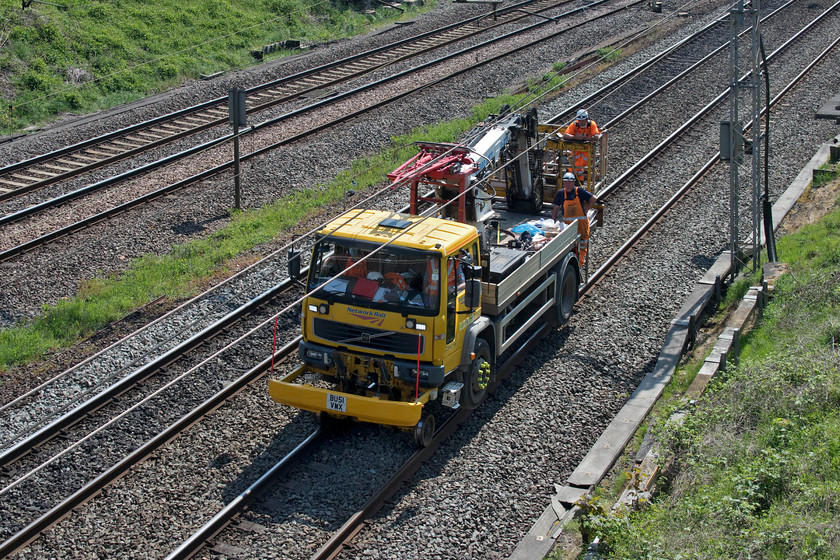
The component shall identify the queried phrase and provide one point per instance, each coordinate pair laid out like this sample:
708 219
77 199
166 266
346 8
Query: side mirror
293 264
472 271
472 295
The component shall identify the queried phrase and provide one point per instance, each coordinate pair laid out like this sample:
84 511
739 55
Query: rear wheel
424 430
478 376
565 292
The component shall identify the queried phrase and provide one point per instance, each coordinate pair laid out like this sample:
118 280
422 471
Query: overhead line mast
734 145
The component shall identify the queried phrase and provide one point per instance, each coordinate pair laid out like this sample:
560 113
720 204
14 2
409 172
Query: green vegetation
739 288
84 56
608 54
181 273
757 463
825 174
548 82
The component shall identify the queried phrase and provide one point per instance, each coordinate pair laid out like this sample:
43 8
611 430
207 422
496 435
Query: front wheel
478 376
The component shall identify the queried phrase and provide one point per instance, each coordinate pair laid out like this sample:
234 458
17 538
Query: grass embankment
757 462
78 56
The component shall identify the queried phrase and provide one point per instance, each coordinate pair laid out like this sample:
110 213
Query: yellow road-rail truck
410 308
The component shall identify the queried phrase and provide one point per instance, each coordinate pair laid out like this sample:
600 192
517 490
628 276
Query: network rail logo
374 317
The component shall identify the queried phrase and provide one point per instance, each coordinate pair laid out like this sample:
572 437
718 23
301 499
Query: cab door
458 316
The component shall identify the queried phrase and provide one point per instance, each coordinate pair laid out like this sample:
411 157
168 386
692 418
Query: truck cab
390 297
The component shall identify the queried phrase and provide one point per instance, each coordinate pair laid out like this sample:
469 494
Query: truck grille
373 339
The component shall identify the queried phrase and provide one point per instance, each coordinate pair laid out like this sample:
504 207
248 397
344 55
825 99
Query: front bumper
322 357
365 409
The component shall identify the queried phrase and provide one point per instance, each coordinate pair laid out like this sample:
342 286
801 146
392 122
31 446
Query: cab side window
454 283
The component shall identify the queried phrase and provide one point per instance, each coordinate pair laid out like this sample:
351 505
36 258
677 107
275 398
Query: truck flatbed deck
513 270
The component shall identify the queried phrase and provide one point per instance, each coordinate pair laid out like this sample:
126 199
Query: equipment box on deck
503 261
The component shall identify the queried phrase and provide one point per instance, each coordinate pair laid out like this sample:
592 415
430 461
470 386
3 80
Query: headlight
423 374
412 324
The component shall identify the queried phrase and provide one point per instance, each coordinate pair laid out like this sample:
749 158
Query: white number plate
337 403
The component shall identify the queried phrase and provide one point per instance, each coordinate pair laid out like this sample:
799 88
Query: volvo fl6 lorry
409 310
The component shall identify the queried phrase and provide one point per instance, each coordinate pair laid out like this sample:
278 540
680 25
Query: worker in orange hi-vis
582 129
360 271
431 282
573 203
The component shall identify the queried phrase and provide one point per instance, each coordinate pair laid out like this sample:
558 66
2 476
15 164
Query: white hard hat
582 114
568 176
374 275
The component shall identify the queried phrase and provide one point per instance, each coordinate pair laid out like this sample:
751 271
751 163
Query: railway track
71 402
355 524
673 58
392 485
657 231
87 491
344 535
118 418
24 243
329 549
36 173
652 77
685 147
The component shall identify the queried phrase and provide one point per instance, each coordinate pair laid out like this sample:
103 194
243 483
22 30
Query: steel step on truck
407 312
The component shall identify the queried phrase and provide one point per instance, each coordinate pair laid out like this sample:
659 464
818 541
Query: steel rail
53 429
354 523
285 285
116 179
613 260
283 353
83 224
117 471
352 526
636 167
301 84
171 313
593 98
145 327
442 79
223 518
609 264
137 172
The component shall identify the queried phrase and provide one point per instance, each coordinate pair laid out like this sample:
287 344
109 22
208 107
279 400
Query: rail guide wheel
329 423
424 430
